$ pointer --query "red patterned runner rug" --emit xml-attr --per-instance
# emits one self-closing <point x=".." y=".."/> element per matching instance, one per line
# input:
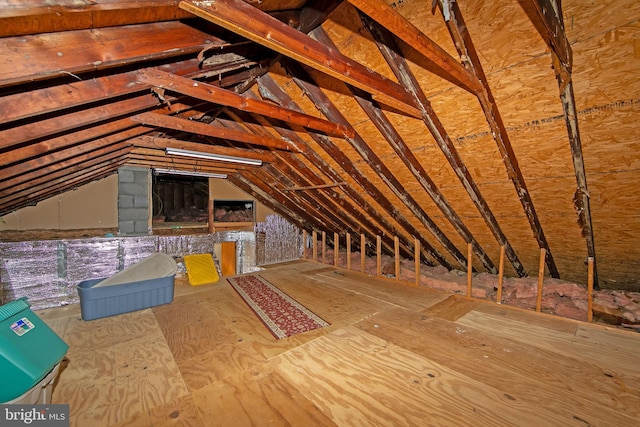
<point x="280" y="313"/>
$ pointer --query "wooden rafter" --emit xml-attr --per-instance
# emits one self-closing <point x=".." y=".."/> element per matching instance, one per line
<point x="315" y="12"/>
<point x="387" y="130"/>
<point x="249" y="22"/>
<point x="444" y="64"/>
<point x="149" y="141"/>
<point x="272" y="90"/>
<point x="72" y="53"/>
<point x="464" y="44"/>
<point x="22" y="19"/>
<point x="401" y="69"/>
<point x="265" y="198"/>
<point x="51" y="99"/>
<point x="264" y="180"/>
<point x="546" y="16"/>
<point x="67" y="123"/>
<point x="290" y="166"/>
<point x="342" y="201"/>
<point x="49" y="160"/>
<point x="324" y="104"/>
<point x="199" y="128"/>
<point x="210" y="93"/>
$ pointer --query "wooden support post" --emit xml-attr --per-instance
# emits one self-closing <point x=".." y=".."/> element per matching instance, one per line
<point x="543" y="253"/>
<point x="469" y="268"/>
<point x="324" y="246"/>
<point x="336" y="248"/>
<point x="211" y="227"/>
<point x="396" y="246"/>
<point x="363" y="245"/>
<point x="378" y="256"/>
<point x="590" y="282"/>
<point x="315" y="245"/>
<point x="416" y="257"/>
<point x="500" y="276"/>
<point x="304" y="244"/>
<point x="348" y="251"/>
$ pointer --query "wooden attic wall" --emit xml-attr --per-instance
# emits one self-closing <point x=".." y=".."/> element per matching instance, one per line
<point x="518" y="65"/>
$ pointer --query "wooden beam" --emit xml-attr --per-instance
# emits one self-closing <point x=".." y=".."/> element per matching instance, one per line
<point x="401" y="69"/>
<point x="352" y="217"/>
<point x="288" y="173"/>
<point x="324" y="104"/>
<point x="49" y="99"/>
<point x="18" y="18"/>
<point x="462" y="39"/>
<point x="210" y="93"/>
<point x="40" y="179"/>
<point x="545" y="16"/>
<point x="199" y="128"/>
<point x="315" y="12"/>
<point x="543" y="253"/>
<point x="253" y="24"/>
<point x="363" y="249"/>
<point x="67" y="123"/>
<point x="348" y="244"/>
<point x="25" y="170"/>
<point x="315" y="187"/>
<point x="445" y="65"/>
<point x="265" y="178"/>
<point x="416" y="260"/>
<point x="163" y="143"/>
<point x="247" y="186"/>
<point x="274" y="91"/>
<point x="58" y="55"/>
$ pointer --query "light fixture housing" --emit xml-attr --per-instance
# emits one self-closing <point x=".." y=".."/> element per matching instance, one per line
<point x="210" y="156"/>
<point x="189" y="173"/>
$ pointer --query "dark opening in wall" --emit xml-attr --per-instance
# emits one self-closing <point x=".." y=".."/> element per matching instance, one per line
<point x="234" y="211"/>
<point x="180" y="199"/>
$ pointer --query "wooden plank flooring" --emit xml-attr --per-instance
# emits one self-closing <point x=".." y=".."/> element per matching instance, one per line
<point x="393" y="355"/>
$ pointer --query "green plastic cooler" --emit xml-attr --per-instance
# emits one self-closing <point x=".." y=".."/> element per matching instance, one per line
<point x="29" y="350"/>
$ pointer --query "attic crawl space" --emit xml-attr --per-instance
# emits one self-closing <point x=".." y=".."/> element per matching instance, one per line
<point x="491" y="124"/>
<point x="465" y="172"/>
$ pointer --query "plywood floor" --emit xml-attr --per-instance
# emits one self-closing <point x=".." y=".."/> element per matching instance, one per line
<point x="394" y="355"/>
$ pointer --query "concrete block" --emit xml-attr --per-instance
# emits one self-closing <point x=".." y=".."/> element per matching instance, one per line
<point x="126" y="227"/>
<point x="125" y="201"/>
<point x="125" y="175"/>
<point x="133" y="214"/>
<point x="141" y="201"/>
<point x="133" y="189"/>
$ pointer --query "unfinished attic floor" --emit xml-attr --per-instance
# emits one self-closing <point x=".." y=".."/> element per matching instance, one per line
<point x="393" y="355"/>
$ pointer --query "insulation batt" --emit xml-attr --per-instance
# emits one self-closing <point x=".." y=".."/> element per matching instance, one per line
<point x="559" y="297"/>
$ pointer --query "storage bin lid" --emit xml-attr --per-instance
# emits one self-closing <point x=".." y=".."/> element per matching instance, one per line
<point x="13" y="308"/>
<point x="153" y="267"/>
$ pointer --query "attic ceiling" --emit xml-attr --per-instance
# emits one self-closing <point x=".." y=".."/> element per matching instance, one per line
<point x="445" y="123"/>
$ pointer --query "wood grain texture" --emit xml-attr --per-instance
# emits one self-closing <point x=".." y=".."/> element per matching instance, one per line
<point x="394" y="354"/>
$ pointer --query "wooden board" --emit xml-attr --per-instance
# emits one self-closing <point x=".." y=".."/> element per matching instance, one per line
<point x="393" y="354"/>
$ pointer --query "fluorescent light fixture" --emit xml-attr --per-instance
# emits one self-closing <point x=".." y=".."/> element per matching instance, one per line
<point x="209" y="156"/>
<point x="189" y="173"/>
